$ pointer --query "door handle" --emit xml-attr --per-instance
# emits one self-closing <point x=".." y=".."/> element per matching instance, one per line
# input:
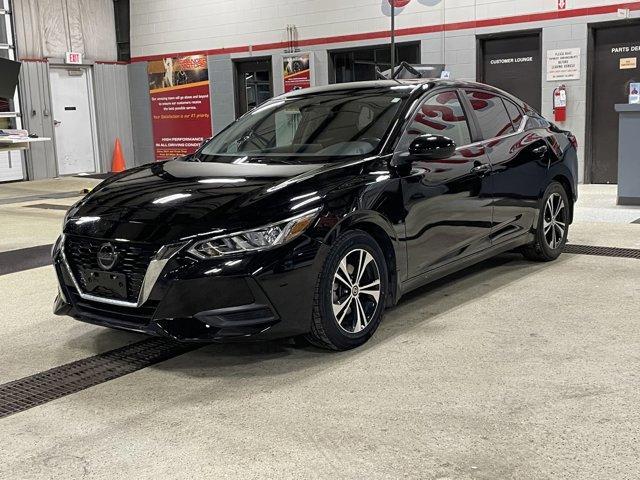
<point x="541" y="151"/>
<point x="56" y="123"/>
<point x="481" y="168"/>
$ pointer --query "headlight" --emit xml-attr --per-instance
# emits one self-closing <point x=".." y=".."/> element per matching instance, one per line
<point x="258" y="239"/>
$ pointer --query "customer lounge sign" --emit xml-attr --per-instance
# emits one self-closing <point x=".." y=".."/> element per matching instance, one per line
<point x="180" y="106"/>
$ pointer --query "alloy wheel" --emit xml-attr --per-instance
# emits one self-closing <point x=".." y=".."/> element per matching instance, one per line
<point x="356" y="290"/>
<point x="554" y="221"/>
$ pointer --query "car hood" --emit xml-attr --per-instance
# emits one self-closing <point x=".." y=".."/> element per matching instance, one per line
<point x="171" y="201"/>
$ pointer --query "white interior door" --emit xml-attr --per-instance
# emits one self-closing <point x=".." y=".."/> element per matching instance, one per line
<point x="73" y="121"/>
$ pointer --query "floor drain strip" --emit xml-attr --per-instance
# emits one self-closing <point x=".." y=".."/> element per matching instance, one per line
<point x="603" y="251"/>
<point x="22" y="394"/>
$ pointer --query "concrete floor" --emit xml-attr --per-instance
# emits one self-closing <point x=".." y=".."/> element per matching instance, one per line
<point x="509" y="370"/>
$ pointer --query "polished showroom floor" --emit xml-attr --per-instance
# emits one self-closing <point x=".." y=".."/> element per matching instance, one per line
<point x="510" y="369"/>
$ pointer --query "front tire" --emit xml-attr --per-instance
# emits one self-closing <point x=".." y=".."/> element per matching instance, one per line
<point x="553" y="226"/>
<point x="350" y="294"/>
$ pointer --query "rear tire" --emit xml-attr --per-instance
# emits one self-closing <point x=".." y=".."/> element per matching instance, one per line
<point x="350" y="294"/>
<point x="553" y="226"/>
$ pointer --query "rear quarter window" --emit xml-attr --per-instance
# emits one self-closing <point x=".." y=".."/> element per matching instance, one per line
<point x="491" y="112"/>
<point x="514" y="113"/>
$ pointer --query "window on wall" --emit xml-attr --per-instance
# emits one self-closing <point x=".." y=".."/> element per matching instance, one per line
<point x="121" y="15"/>
<point x="360" y="64"/>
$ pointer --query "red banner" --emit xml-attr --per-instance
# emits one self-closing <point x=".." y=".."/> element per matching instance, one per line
<point x="180" y="106"/>
<point x="297" y="72"/>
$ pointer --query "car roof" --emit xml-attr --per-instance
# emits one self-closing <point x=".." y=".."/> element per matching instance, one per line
<point x="388" y="84"/>
<point x="382" y="84"/>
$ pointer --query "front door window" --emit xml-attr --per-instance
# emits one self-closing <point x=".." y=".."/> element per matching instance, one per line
<point x="440" y="114"/>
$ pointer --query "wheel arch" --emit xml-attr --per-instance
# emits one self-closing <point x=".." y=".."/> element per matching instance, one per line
<point x="382" y="232"/>
<point x="566" y="184"/>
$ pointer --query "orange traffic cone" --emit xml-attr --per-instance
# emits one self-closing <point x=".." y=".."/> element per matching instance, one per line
<point x="117" y="161"/>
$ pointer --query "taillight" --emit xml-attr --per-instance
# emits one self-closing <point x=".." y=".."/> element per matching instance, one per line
<point x="573" y="140"/>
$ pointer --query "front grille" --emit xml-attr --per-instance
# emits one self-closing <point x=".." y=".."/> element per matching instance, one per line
<point x="133" y="260"/>
<point x="105" y="312"/>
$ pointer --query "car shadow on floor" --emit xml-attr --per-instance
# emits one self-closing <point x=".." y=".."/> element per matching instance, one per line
<point x="231" y="372"/>
<point x="417" y="309"/>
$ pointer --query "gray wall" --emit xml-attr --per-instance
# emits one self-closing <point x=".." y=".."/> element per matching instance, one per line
<point x="140" y="102"/>
<point x="36" y="109"/>
<point x="456" y="49"/>
<point x="113" y="114"/>
<point x="568" y="35"/>
<point x="222" y="91"/>
<point x="49" y="28"/>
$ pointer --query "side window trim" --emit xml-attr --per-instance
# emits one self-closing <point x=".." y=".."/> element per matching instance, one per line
<point x="520" y="127"/>
<point x="427" y="96"/>
<point x="472" y="119"/>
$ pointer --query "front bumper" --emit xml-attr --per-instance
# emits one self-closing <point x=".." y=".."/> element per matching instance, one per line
<point x="261" y="295"/>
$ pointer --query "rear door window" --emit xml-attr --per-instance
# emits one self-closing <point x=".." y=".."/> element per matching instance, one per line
<point x="440" y="114"/>
<point x="491" y="112"/>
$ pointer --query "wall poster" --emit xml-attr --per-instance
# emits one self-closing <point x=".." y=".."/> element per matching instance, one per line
<point x="297" y="72"/>
<point x="180" y="106"/>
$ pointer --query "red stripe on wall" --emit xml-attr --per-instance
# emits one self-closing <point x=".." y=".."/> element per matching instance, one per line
<point x="490" y="22"/>
<point x="112" y="62"/>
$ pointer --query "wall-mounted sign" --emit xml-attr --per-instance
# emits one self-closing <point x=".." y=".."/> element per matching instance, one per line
<point x="73" y="58"/>
<point x="624" y="13"/>
<point x="628" y="63"/>
<point x="502" y="61"/>
<point x="563" y="64"/>
<point x="625" y="49"/>
<point x="180" y="106"/>
<point x="297" y="72"/>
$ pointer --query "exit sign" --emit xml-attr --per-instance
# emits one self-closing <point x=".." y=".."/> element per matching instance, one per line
<point x="74" y="58"/>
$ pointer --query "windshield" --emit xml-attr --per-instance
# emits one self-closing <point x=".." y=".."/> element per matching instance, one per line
<point x="342" y="123"/>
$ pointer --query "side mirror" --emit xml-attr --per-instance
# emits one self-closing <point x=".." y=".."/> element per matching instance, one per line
<point x="432" y="147"/>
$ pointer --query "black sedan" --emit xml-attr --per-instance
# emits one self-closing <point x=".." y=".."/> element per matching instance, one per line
<point x="312" y="213"/>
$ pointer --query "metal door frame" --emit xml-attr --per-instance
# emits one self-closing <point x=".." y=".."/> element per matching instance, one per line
<point x="237" y="63"/>
<point x="88" y="70"/>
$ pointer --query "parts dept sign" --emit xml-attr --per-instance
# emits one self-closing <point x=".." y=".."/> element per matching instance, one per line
<point x="628" y="56"/>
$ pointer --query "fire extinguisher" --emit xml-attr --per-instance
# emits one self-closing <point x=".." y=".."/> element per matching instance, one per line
<point x="560" y="103"/>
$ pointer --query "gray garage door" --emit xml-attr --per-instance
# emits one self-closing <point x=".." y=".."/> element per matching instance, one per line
<point x="514" y="64"/>
<point x="615" y="65"/>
